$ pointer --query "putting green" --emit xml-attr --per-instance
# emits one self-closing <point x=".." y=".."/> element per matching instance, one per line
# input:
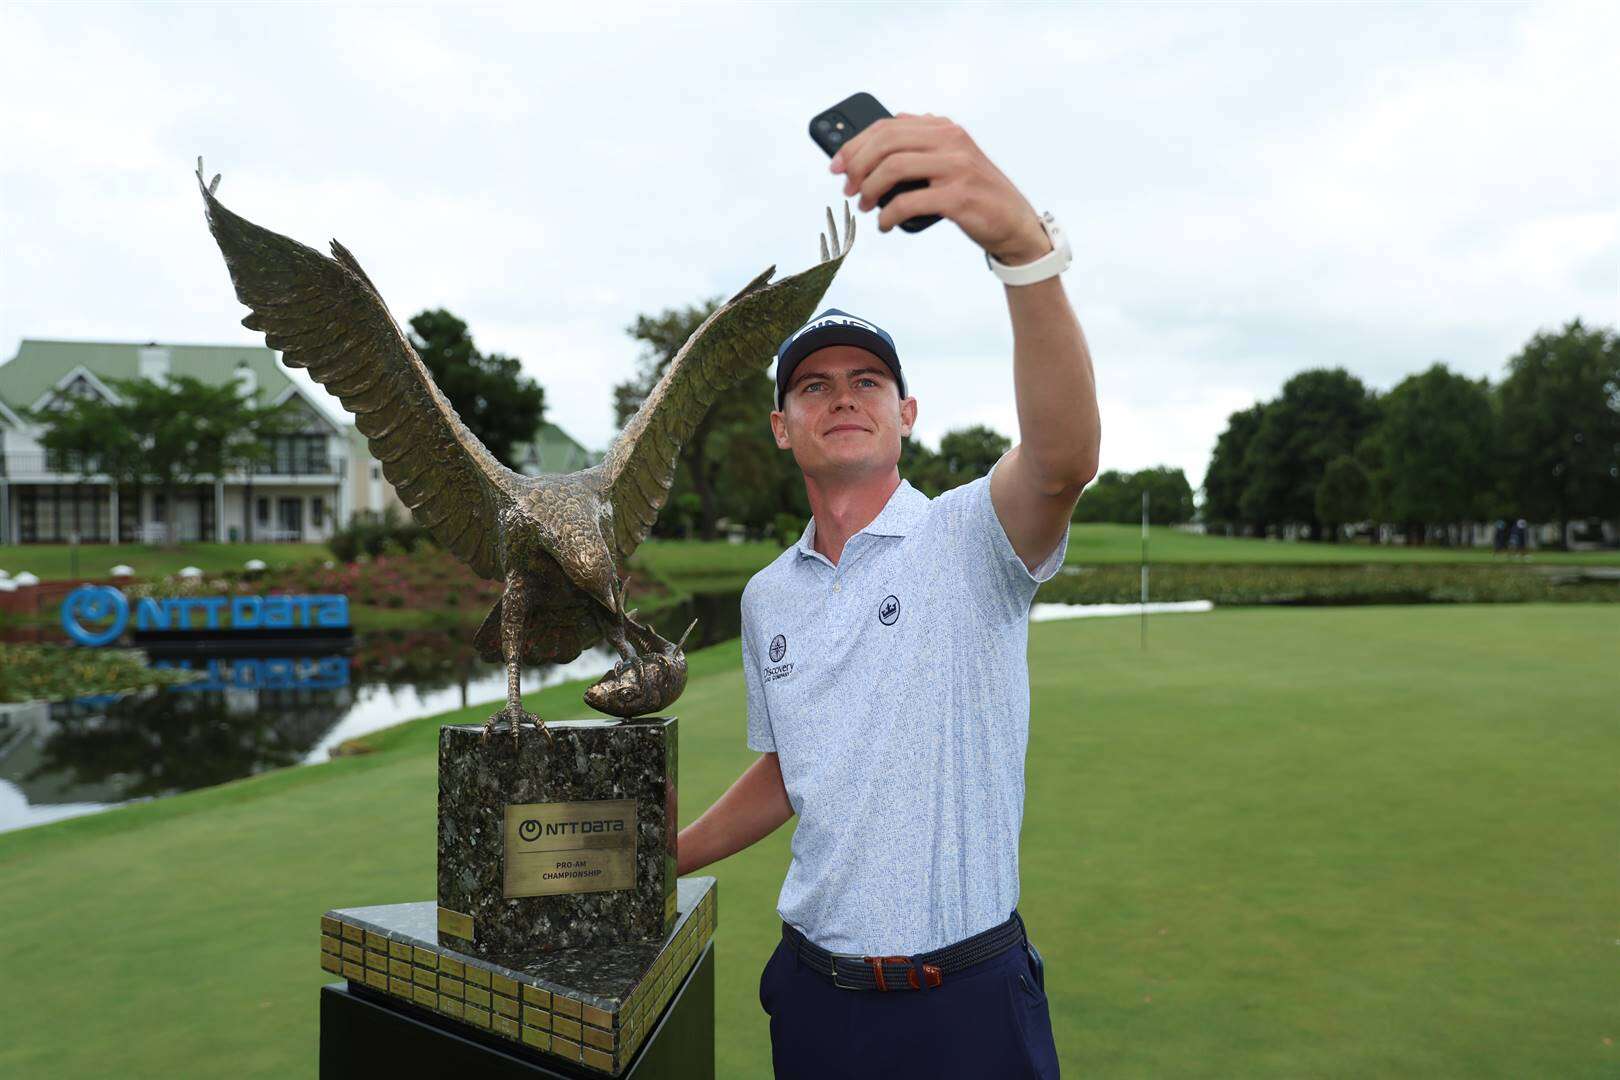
<point x="1365" y="842"/>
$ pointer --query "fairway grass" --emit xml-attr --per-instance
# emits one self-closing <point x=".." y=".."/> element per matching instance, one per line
<point x="1278" y="843"/>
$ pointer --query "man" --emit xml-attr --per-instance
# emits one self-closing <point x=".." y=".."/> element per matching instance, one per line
<point x="888" y="686"/>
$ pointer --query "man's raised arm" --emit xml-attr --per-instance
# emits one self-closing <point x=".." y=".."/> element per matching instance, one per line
<point x="1036" y="484"/>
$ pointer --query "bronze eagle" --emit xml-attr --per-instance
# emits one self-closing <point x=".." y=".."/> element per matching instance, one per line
<point x="560" y="544"/>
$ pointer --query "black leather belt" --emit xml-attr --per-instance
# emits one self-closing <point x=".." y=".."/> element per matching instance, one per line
<point x="923" y="971"/>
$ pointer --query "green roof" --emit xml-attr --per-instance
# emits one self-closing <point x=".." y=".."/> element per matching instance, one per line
<point x="39" y="365"/>
<point x="552" y="450"/>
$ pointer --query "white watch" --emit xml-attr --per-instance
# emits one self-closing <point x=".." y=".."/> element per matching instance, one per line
<point x="1051" y="264"/>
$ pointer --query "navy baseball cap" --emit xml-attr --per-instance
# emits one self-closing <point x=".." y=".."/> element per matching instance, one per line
<point x="834" y="327"/>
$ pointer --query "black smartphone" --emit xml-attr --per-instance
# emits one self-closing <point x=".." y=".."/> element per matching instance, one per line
<point x="834" y="127"/>
<point x="1038" y="964"/>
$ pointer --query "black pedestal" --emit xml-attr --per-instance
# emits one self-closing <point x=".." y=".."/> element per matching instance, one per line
<point x="365" y="1033"/>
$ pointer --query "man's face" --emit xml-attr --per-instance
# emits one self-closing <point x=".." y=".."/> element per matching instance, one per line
<point x="842" y="414"/>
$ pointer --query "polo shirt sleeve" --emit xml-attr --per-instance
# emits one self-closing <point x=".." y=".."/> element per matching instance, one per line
<point x="994" y="573"/>
<point x="760" y="736"/>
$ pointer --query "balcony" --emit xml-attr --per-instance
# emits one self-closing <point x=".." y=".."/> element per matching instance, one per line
<point x="44" y="465"/>
<point x="47" y="467"/>
<point x="296" y="467"/>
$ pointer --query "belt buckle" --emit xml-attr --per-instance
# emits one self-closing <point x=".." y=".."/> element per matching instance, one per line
<point x="843" y="985"/>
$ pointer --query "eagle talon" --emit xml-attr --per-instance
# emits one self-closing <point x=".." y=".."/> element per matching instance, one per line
<point x="515" y="719"/>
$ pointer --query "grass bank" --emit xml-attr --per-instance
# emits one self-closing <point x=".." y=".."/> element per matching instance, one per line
<point x="1106" y="545"/>
<point x="1279" y="843"/>
<point x="1329" y="583"/>
<point x="1091" y="544"/>
<point x="50" y="562"/>
<point x="695" y="565"/>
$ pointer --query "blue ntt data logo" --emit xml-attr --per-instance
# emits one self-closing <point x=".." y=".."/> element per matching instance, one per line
<point x="90" y="605"/>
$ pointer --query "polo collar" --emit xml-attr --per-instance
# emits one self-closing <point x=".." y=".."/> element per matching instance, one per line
<point x="906" y="507"/>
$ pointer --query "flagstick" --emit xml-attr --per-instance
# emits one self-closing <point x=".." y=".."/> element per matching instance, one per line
<point x="1144" y="567"/>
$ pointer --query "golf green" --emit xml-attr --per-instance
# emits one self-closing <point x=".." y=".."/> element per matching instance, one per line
<point x="1277" y="843"/>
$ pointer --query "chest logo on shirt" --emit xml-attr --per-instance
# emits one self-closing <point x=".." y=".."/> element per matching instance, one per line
<point x="776" y="669"/>
<point x="889" y="610"/>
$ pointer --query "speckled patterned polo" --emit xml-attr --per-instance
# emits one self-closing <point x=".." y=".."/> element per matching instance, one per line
<point x="894" y="689"/>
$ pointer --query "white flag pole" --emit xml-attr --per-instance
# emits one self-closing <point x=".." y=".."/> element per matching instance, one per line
<point x="1144" y="566"/>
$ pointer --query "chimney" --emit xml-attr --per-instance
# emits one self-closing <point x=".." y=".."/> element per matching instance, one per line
<point x="154" y="363"/>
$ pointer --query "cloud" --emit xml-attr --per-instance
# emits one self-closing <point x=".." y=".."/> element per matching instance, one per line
<point x="1250" y="190"/>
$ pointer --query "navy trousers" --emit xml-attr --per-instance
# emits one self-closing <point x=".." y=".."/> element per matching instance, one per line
<point x="986" y="1022"/>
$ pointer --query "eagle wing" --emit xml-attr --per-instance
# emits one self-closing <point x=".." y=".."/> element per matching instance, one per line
<point x="325" y="315"/>
<point x="739" y="338"/>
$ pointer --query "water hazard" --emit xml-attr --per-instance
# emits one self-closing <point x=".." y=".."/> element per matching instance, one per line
<point x="253" y="713"/>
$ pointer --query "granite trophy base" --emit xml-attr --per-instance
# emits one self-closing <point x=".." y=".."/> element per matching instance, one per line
<point x="587" y="1011"/>
<point x="559" y="843"/>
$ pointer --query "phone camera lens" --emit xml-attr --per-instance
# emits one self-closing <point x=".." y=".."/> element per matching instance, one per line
<point x="835" y="136"/>
<point x="824" y="124"/>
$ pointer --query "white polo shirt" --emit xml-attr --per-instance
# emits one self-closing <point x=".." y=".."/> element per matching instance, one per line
<point x="894" y="689"/>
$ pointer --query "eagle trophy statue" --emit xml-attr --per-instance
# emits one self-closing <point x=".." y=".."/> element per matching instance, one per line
<point x="560" y="544"/>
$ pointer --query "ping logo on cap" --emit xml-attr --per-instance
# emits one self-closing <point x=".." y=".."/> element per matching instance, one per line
<point x="833" y="320"/>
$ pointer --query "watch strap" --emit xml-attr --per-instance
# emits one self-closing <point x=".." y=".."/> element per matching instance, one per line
<point x="1051" y="264"/>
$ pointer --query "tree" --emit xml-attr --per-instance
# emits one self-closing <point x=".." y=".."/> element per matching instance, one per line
<point x="1561" y="425"/>
<point x="1434" y="443"/>
<point x="1226" y="477"/>
<point x="964" y="454"/>
<point x="166" y="435"/>
<point x="1117" y="497"/>
<point x="1345" y="494"/>
<point x="1321" y="415"/>
<point x="497" y="403"/>
<point x="920" y="466"/>
<point x="731" y="466"/>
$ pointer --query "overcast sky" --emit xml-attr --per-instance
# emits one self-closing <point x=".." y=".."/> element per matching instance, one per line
<point x="1250" y="190"/>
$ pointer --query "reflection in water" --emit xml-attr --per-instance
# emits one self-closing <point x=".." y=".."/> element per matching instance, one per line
<point x="159" y="742"/>
<point x="261" y="673"/>
<point x="718" y="615"/>
<point x="383" y="705"/>
<point x="249" y="714"/>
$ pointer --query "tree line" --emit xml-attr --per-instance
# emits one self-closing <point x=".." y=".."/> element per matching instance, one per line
<point x="1435" y="454"/>
<point x="183" y="432"/>
<point x="731" y="470"/>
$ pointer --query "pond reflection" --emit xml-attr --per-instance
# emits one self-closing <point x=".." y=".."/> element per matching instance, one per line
<point x="253" y="713"/>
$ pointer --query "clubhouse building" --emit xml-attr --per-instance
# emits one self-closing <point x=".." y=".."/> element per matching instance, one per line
<point x="318" y="477"/>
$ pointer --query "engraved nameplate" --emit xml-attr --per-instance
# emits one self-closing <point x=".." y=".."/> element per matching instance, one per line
<point x="570" y="847"/>
<point x="455" y="924"/>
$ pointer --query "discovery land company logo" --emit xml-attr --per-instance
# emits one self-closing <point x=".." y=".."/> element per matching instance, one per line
<point x="87" y="610"/>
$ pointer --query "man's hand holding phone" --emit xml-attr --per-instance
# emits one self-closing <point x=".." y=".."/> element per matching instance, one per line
<point x="963" y="184"/>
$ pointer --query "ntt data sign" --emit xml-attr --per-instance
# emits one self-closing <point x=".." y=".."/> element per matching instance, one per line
<point x="87" y="610"/>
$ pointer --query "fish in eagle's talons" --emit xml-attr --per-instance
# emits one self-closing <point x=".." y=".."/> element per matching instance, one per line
<point x="559" y="543"/>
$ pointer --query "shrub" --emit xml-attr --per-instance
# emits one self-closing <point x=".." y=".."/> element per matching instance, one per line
<point x="368" y="535"/>
<point x="787" y="528"/>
